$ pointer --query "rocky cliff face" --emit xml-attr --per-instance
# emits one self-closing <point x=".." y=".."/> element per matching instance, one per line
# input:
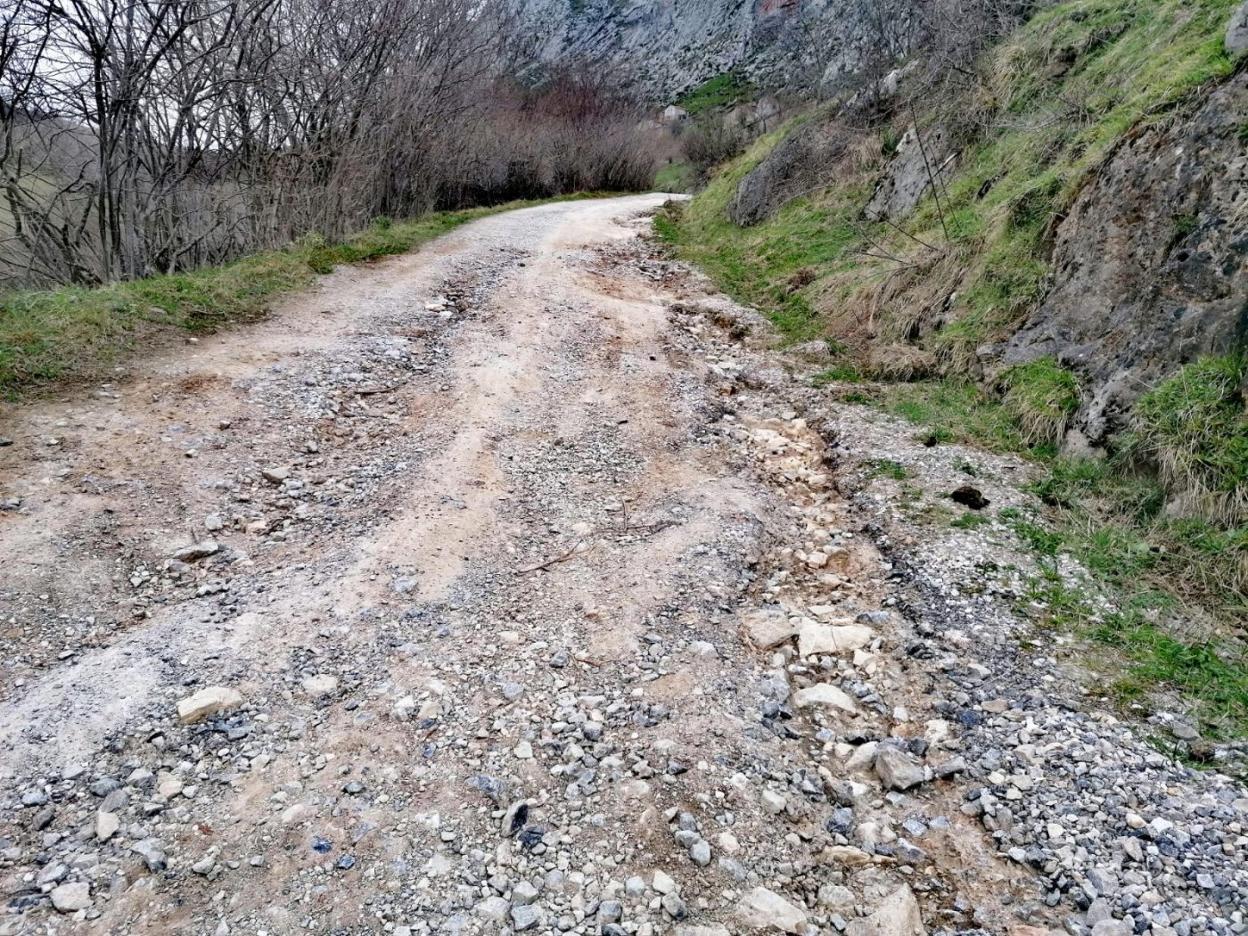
<point x="1144" y="272"/>
<point x="664" y="47"/>
<point x="1150" y="268"/>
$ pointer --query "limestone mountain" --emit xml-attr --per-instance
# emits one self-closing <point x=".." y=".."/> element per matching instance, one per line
<point x="664" y="47"/>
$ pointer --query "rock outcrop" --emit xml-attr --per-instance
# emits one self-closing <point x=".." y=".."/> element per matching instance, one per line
<point x="664" y="47"/>
<point x="922" y="158"/>
<point x="1150" y="267"/>
<point x="799" y="163"/>
<point x="1237" y="31"/>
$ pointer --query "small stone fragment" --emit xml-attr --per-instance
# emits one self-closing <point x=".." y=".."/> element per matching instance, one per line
<point x="700" y="852"/>
<point x="525" y="917"/>
<point x="69" y="898"/>
<point x="897" y="769"/>
<point x="816" y="637"/>
<point x="196" y="551"/>
<point x="765" y="909"/>
<point x="897" y="915"/>
<point x="825" y="695"/>
<point x="322" y="684"/>
<point x="208" y="702"/>
<point x="151" y="853"/>
<point x="769" y="628"/>
<point x="106" y="825"/>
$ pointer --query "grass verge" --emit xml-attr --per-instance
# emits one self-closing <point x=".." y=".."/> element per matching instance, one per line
<point x="675" y="177"/>
<point x="773" y="265"/>
<point x="1194" y="427"/>
<point x="1137" y="647"/>
<point x="1162" y="595"/>
<point x="68" y="334"/>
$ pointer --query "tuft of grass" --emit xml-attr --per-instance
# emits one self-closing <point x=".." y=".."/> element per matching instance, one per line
<point x="1041" y="396"/>
<point x="74" y="333"/>
<point x="955" y="411"/>
<point x="1039" y="537"/>
<point x="838" y="373"/>
<point x="1141" y="657"/>
<point x="1211" y="673"/>
<point x="1194" y="427"/>
<point x="1207" y="564"/>
<point x="887" y="468"/>
<point x="970" y="521"/>
<point x="1149" y="566"/>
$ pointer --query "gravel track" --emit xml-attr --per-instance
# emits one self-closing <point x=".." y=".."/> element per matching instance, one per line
<point x="518" y="586"/>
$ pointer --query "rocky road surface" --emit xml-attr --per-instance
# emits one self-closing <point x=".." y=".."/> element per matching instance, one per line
<point x="517" y="586"/>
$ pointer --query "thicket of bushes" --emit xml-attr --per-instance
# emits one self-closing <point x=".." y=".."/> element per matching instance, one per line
<point x="153" y="138"/>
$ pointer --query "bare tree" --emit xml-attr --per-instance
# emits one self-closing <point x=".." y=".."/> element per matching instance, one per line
<point x="146" y="136"/>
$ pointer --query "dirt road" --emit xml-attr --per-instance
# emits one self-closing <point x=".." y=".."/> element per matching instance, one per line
<point x="514" y="595"/>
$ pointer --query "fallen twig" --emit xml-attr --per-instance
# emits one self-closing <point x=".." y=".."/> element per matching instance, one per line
<point x="371" y="391"/>
<point x="550" y="562"/>
<point x="645" y="529"/>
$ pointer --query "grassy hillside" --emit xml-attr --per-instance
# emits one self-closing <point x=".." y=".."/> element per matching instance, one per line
<point x="722" y="90"/>
<point x="1030" y="136"/>
<point x="1045" y="109"/>
<point x="770" y="265"/>
<point x="75" y="333"/>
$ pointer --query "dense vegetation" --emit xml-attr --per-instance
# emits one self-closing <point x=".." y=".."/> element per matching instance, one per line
<point x="160" y="137"/>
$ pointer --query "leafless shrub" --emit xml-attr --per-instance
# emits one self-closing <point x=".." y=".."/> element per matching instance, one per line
<point x="710" y="139"/>
<point x="145" y="136"/>
<point x="573" y="133"/>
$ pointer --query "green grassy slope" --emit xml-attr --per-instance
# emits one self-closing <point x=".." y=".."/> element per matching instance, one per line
<point x="1046" y="108"/>
<point x="1029" y="136"/>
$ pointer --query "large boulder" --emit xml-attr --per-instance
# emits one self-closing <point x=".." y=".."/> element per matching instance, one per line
<point x="803" y="160"/>
<point x="1150" y="266"/>
<point x="922" y="158"/>
<point x="1237" y="31"/>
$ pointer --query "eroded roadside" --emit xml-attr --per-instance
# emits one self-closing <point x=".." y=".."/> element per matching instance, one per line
<point x="554" y="604"/>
